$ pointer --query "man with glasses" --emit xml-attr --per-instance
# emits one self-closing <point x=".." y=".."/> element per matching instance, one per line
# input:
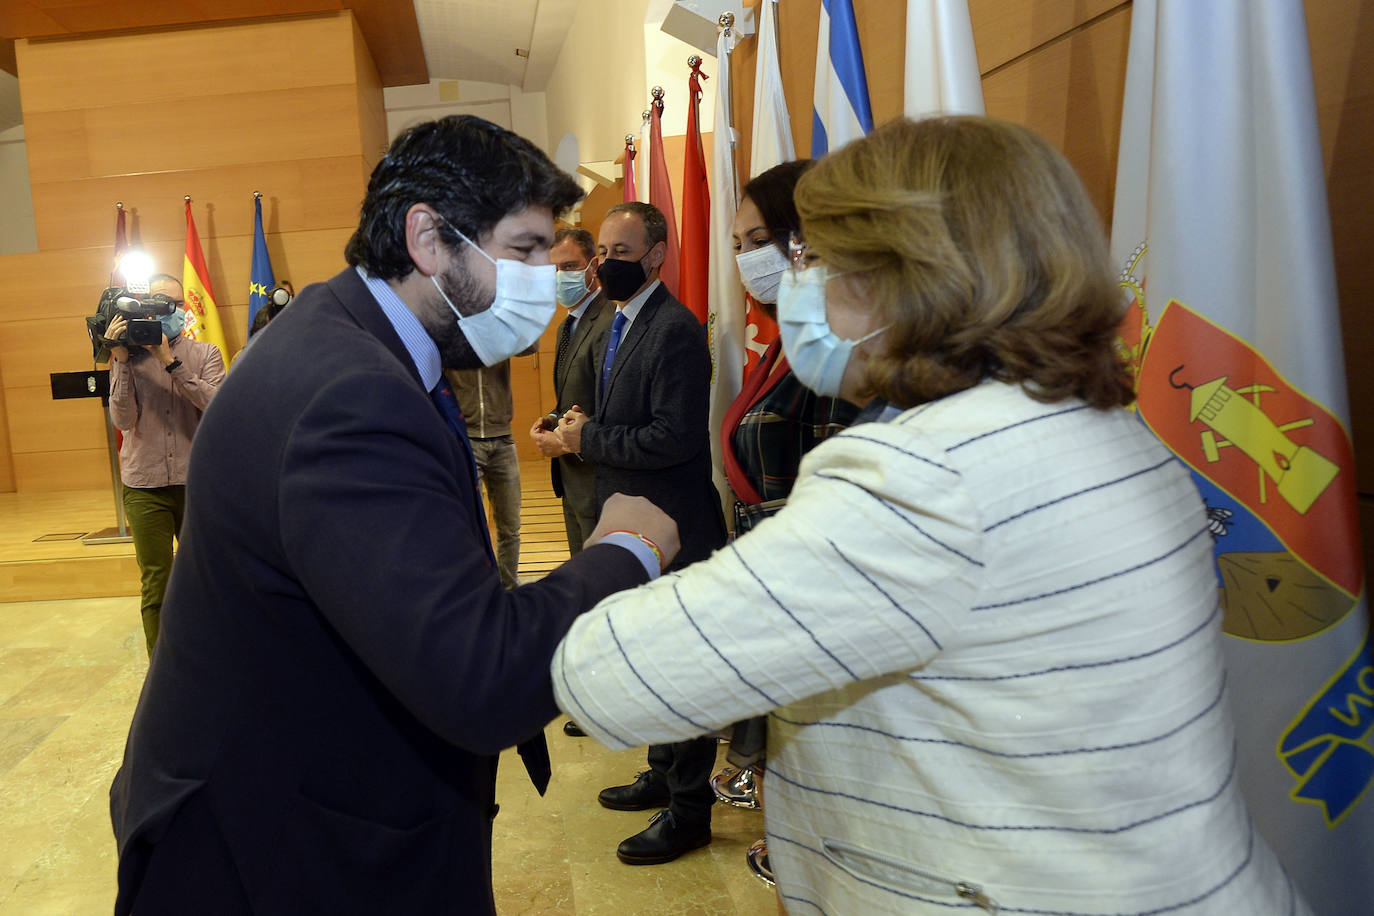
<point x="157" y="395"/>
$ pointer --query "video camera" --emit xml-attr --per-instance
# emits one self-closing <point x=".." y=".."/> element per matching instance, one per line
<point x="143" y="312"/>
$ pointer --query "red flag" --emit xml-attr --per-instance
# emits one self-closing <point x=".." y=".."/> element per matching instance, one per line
<point x="695" y="279"/>
<point x="121" y="245"/>
<point x="661" y="191"/>
<point x="631" y="193"/>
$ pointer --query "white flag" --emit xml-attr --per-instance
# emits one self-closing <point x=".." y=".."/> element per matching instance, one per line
<point x="941" y="64"/>
<point x="771" y="143"/>
<point x="725" y="321"/>
<point x="1221" y="231"/>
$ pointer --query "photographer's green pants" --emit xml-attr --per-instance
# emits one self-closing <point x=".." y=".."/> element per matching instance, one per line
<point x="154" y="517"/>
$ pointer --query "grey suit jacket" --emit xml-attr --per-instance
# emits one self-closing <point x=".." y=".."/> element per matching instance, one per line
<point x="650" y="433"/>
<point x="574" y="382"/>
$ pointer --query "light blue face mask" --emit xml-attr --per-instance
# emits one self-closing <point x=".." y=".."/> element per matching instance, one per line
<point x="570" y="286"/>
<point x="818" y="356"/>
<point x="519" y="313"/>
<point x="173" y="324"/>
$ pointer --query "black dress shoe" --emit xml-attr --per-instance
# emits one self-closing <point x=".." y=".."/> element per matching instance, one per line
<point x="663" y="841"/>
<point x="573" y="730"/>
<point x="647" y="791"/>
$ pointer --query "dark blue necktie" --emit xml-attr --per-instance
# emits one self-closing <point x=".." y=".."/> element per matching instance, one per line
<point x="617" y="328"/>
<point x="453" y="414"/>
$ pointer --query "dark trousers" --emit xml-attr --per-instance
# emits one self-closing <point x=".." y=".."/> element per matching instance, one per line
<point x="154" y="516"/>
<point x="686" y="768"/>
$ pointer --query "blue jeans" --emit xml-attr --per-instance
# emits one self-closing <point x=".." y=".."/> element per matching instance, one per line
<point x="498" y="469"/>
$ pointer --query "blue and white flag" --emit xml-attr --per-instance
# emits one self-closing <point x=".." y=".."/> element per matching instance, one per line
<point x="841" y="112"/>
<point x="260" y="276"/>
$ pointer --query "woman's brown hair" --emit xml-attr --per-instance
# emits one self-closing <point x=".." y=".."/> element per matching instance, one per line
<point x="975" y="241"/>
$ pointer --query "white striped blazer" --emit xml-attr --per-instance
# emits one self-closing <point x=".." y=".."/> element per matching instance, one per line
<point x="987" y="636"/>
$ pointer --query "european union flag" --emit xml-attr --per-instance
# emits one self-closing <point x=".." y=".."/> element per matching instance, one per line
<point x="260" y="278"/>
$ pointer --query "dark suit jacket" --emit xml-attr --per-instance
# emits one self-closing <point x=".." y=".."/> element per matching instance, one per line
<point x="338" y="663"/>
<point x="650" y="433"/>
<point x="574" y="382"/>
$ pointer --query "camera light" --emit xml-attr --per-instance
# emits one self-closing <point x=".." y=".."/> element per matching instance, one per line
<point x="136" y="267"/>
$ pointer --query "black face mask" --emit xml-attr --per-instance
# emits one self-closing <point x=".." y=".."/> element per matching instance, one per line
<point x="620" y="279"/>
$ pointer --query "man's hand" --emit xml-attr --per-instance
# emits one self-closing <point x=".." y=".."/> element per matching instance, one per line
<point x="638" y="515"/>
<point x="570" y="428"/>
<point x="545" y="437"/>
<point x="163" y="352"/>
<point x="116" y="327"/>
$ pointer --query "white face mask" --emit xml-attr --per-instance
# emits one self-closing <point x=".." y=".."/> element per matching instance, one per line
<point x="761" y="271"/>
<point x="522" y="309"/>
<point x="818" y="356"/>
<point x="571" y="286"/>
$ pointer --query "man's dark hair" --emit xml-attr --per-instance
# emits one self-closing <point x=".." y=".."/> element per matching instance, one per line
<point x="471" y="171"/>
<point x="581" y="237"/>
<point x="655" y="223"/>
<point x="771" y="192"/>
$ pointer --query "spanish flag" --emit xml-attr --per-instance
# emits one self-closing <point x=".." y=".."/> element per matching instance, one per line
<point x="202" y="317"/>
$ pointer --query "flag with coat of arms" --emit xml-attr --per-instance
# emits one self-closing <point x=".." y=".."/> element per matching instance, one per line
<point x="202" y="315"/>
<point x="1221" y="232"/>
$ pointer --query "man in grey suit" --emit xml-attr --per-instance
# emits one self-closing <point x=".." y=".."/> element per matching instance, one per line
<point x="581" y="341"/>
<point x="648" y="436"/>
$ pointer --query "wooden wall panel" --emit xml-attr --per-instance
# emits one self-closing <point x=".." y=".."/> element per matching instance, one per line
<point x="6" y="459"/>
<point x="53" y="284"/>
<point x="1070" y="92"/>
<point x="305" y="131"/>
<point x="39" y="424"/>
<point x="34" y="349"/>
<point x="1341" y="36"/>
<point x="1003" y="30"/>
<point x="226" y="130"/>
<point x="71" y="469"/>
<point x="186" y="65"/>
<point x="373" y="136"/>
<point x="305" y="192"/>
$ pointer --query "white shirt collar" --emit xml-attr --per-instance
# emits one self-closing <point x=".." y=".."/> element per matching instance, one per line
<point x="632" y="308"/>
<point x="577" y="311"/>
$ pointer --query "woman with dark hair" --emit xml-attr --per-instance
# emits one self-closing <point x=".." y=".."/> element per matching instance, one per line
<point x="996" y="604"/>
<point x="771" y="424"/>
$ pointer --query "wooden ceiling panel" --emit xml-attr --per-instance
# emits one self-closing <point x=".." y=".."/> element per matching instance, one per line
<point x="389" y="26"/>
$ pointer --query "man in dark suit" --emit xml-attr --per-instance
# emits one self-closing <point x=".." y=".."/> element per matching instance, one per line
<point x="647" y="434"/>
<point x="339" y="665"/>
<point x="581" y="342"/>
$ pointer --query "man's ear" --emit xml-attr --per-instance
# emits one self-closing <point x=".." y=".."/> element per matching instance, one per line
<point x="658" y="254"/>
<point x="422" y="238"/>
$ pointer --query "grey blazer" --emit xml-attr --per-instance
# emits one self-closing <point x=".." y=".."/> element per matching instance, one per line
<point x="574" y="382"/>
<point x="650" y="433"/>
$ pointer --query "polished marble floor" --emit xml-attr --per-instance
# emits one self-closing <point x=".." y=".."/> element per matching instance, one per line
<point x="70" y="672"/>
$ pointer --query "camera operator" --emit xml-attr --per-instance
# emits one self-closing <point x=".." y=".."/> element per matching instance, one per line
<point x="157" y="394"/>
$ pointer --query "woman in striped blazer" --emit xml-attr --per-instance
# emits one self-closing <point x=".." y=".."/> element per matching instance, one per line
<point x="996" y="605"/>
